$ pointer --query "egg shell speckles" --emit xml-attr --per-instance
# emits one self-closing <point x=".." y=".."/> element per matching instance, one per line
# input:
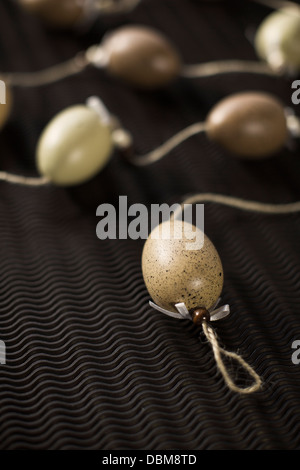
<point x="173" y="273"/>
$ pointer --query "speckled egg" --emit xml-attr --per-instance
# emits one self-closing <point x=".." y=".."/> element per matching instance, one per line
<point x="277" y="40"/>
<point x="177" y="269"/>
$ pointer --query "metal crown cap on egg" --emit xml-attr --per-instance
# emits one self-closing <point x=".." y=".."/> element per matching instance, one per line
<point x="175" y="274"/>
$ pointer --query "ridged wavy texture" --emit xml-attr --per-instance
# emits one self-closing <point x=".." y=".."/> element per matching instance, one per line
<point x="89" y="364"/>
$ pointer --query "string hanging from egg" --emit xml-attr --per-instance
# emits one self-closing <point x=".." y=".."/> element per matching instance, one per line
<point x="186" y="284"/>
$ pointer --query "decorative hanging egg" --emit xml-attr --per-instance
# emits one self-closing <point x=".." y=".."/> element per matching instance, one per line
<point x="140" y="56"/>
<point x="186" y="283"/>
<point x="74" y="146"/>
<point x="251" y="125"/>
<point x="175" y="271"/>
<point x="5" y="108"/>
<point x="58" y="13"/>
<point x="278" y="40"/>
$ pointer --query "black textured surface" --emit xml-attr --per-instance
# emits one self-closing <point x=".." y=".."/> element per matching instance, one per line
<point x="89" y="364"/>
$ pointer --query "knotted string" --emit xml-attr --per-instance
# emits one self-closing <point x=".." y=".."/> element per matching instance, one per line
<point x="219" y="351"/>
<point x="215" y="314"/>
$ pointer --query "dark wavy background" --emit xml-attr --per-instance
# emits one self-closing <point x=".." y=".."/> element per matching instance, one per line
<point x="89" y="364"/>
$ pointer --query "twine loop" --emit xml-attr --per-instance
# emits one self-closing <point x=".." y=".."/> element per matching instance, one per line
<point x="217" y="313"/>
<point x="219" y="351"/>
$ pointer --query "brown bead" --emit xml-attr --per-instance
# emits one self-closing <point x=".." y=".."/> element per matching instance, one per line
<point x="251" y="125"/>
<point x="199" y="315"/>
<point x="58" y="13"/>
<point x="141" y="56"/>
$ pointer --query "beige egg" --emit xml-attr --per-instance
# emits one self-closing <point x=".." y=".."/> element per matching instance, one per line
<point x="277" y="40"/>
<point x="74" y="146"/>
<point x="250" y="125"/>
<point x="5" y="108"/>
<point x="57" y="13"/>
<point x="177" y="269"/>
<point x="141" y="56"/>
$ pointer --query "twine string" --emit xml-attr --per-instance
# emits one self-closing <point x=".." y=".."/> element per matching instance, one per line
<point x="23" y="180"/>
<point x="83" y="59"/>
<point x="219" y="351"/>
<point x="239" y="203"/>
<point x="94" y="55"/>
<point x="146" y="159"/>
<point x="230" y="201"/>
<point x="170" y="144"/>
<point x="210" y="69"/>
<point x="49" y="75"/>
<point x="78" y="63"/>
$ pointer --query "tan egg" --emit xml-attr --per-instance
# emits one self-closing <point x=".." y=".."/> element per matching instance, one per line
<point x="5" y="108"/>
<point x="141" y="56"/>
<point x="251" y="125"/>
<point x="74" y="146"/>
<point x="59" y="13"/>
<point x="177" y="269"/>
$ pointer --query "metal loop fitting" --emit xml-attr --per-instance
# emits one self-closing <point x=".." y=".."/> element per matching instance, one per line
<point x="216" y="313"/>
